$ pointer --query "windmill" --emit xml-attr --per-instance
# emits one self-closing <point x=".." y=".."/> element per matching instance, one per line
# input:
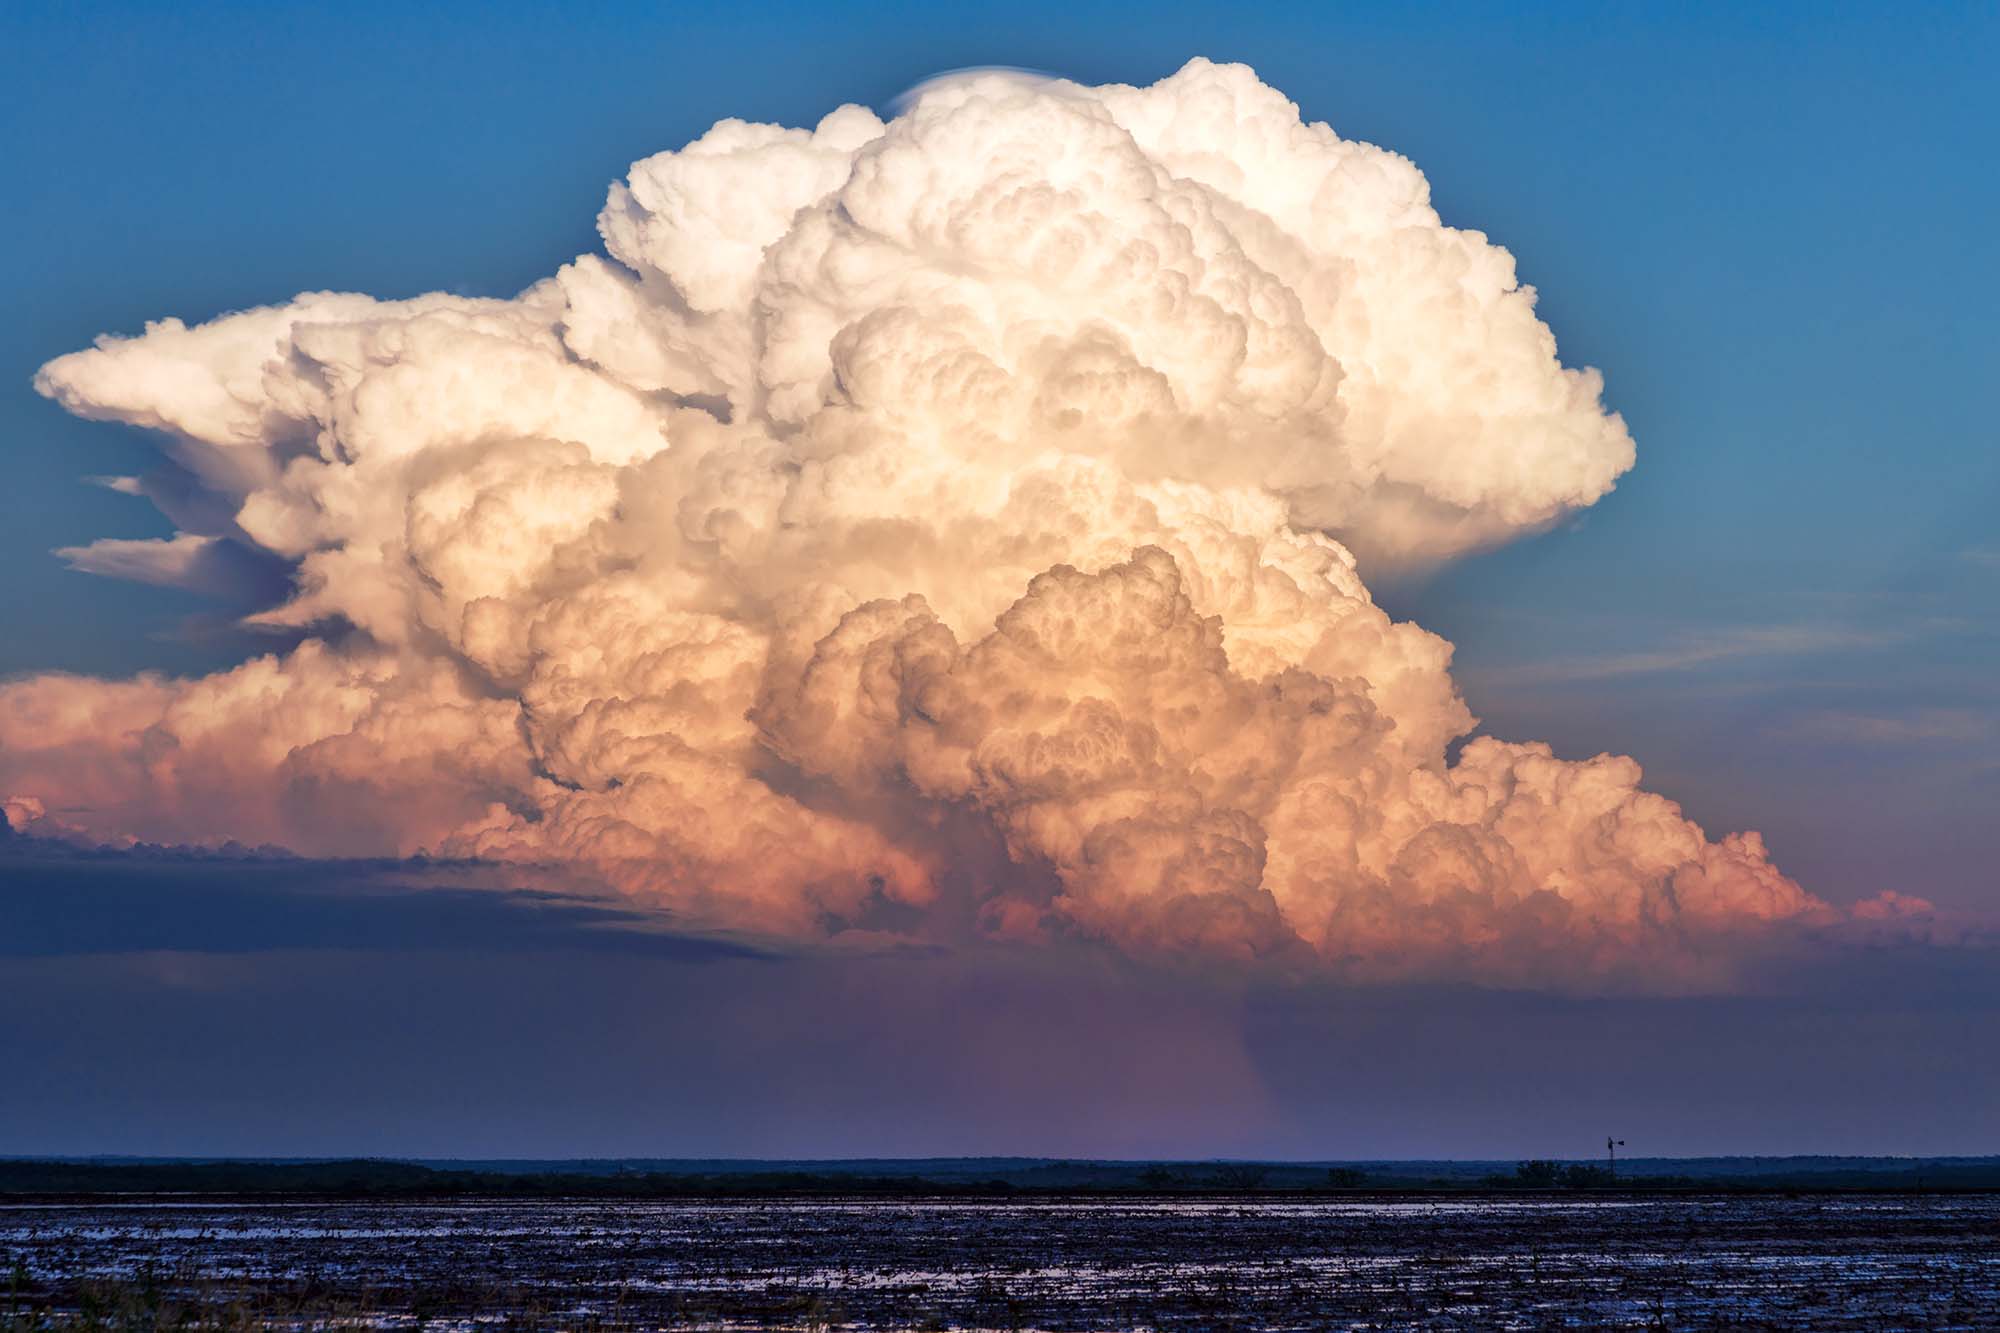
<point x="1611" y="1147"/>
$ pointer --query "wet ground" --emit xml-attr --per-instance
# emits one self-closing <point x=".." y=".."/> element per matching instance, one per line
<point x="1826" y="1262"/>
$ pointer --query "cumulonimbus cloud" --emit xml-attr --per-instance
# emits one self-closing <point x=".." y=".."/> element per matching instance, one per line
<point x="1003" y="465"/>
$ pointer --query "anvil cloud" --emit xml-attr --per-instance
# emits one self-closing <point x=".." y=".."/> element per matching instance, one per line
<point x="940" y="527"/>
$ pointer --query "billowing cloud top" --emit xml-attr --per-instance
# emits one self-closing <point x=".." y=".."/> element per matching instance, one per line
<point x="940" y="525"/>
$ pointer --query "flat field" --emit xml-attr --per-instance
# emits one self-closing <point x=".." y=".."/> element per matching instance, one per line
<point x="1810" y="1261"/>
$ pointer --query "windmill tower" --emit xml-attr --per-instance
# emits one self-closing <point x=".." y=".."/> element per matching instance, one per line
<point x="1611" y="1147"/>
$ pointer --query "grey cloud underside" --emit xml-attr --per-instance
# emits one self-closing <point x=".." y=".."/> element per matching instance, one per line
<point x="64" y="901"/>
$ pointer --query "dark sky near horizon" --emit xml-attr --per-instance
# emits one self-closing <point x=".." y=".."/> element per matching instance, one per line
<point x="1771" y="230"/>
<point x="160" y="1003"/>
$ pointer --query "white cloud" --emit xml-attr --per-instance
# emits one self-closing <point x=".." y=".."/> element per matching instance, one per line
<point x="967" y="500"/>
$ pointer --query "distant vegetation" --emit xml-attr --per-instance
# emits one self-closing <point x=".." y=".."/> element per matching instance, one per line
<point x="1539" y="1175"/>
<point x="972" y="1176"/>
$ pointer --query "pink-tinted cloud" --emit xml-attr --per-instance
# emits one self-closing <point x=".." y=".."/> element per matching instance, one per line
<point x="911" y="524"/>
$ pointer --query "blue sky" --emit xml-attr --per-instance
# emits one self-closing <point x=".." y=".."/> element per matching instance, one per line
<point x="1770" y="226"/>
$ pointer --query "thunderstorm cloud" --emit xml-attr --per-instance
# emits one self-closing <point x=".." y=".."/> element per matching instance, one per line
<point x="946" y="527"/>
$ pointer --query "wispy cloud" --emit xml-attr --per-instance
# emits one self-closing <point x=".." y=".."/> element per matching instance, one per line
<point x="1920" y="727"/>
<point x="169" y="562"/>
<point x="1691" y="652"/>
<point x="216" y="566"/>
